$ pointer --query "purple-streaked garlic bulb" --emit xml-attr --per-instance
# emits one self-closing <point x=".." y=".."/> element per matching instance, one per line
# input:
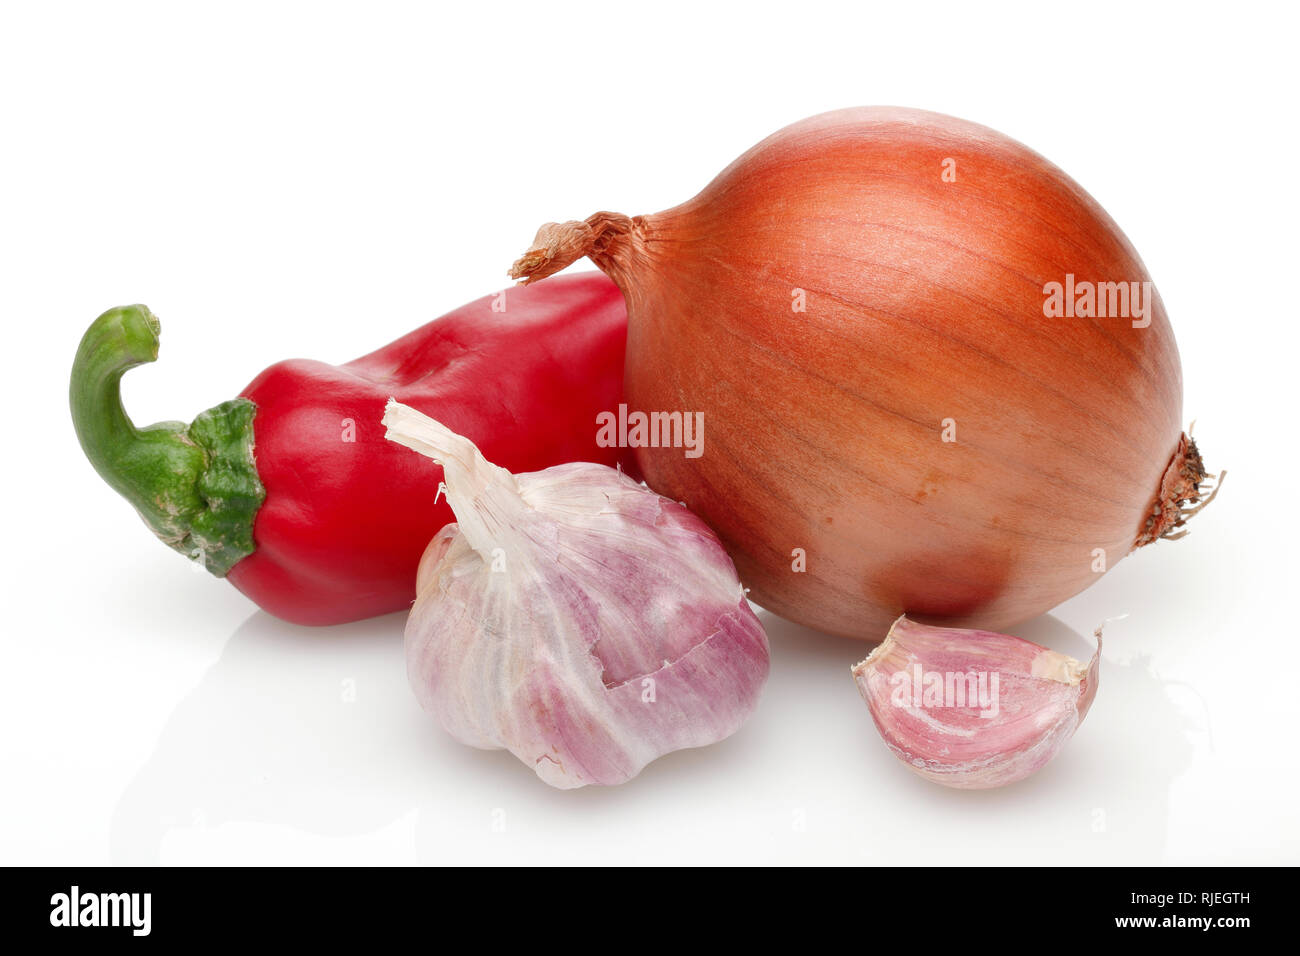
<point x="974" y="709"/>
<point x="574" y="617"/>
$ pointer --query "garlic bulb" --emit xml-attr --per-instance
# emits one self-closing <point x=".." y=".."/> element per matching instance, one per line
<point x="574" y="617"/>
<point x="973" y="709"/>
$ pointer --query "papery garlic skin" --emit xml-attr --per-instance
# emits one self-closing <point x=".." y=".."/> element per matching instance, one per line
<point x="575" y="618"/>
<point x="1028" y="702"/>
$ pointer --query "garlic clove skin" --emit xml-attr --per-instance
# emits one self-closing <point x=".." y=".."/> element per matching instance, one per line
<point x="578" y="619"/>
<point x="973" y="709"/>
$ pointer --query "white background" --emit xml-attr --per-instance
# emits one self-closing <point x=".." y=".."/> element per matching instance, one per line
<point x="315" y="179"/>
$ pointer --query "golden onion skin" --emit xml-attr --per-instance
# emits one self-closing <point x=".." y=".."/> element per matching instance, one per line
<point x="922" y="320"/>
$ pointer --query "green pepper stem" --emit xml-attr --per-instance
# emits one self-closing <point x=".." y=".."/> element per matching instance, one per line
<point x="196" y="486"/>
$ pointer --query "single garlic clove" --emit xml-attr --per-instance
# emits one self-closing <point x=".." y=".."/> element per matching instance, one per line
<point x="973" y="709"/>
<point x="574" y="617"/>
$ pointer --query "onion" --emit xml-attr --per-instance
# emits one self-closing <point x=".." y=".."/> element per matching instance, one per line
<point x="881" y="315"/>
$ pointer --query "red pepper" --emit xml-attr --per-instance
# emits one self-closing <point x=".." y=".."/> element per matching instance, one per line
<point x="291" y="490"/>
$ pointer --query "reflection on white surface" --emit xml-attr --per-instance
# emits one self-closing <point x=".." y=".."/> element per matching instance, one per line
<point x="305" y="745"/>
